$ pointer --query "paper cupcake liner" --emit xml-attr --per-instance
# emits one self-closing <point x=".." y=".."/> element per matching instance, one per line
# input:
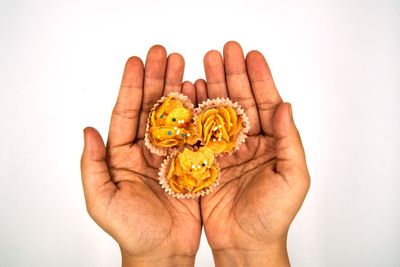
<point x="163" y="151"/>
<point x="226" y="102"/>
<point x="162" y="177"/>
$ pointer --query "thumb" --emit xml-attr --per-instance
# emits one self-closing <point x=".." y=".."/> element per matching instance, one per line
<point x="291" y="161"/>
<point x="96" y="180"/>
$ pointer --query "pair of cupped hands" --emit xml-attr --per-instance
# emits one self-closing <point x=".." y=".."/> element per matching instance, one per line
<point x="262" y="186"/>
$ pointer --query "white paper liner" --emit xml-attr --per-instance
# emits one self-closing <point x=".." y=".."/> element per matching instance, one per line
<point x="226" y="102"/>
<point x="162" y="177"/>
<point x="163" y="151"/>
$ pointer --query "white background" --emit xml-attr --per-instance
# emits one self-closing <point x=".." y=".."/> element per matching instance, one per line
<point x="338" y="63"/>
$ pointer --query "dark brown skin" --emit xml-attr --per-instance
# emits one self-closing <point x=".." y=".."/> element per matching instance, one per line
<point x="263" y="185"/>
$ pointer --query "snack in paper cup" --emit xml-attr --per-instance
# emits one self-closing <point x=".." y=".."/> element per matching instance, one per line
<point x="190" y="173"/>
<point x="221" y="125"/>
<point x="170" y="125"/>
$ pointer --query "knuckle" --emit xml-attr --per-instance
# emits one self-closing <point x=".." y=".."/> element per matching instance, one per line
<point x="268" y="105"/>
<point x="245" y="101"/>
<point x="126" y="113"/>
<point x="146" y="107"/>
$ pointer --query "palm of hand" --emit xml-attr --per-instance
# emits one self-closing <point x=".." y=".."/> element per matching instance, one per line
<point x="141" y="210"/>
<point x="120" y="182"/>
<point x="252" y="201"/>
<point x="256" y="199"/>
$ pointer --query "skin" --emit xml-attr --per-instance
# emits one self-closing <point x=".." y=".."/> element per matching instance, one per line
<point x="263" y="185"/>
<point x="247" y="217"/>
<point x="120" y="180"/>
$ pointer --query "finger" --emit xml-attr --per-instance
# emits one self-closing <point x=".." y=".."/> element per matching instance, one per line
<point x="154" y="74"/>
<point x="201" y="90"/>
<point x="174" y="73"/>
<point x="215" y="74"/>
<point x="239" y="89"/>
<point x="290" y="157"/>
<point x="97" y="184"/>
<point x="125" y="115"/>
<point x="264" y="90"/>
<point x="189" y="90"/>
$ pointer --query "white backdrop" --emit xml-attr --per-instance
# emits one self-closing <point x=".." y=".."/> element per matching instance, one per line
<point x="338" y="62"/>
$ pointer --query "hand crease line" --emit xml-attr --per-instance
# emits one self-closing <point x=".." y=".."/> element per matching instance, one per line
<point x="216" y="83"/>
<point x="237" y="73"/>
<point x="129" y="114"/>
<point x="226" y="192"/>
<point x="131" y="87"/>
<point x="140" y="175"/>
<point x="148" y="77"/>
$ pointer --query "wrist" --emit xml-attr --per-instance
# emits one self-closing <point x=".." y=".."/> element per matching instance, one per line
<point x="271" y="255"/>
<point x="162" y="259"/>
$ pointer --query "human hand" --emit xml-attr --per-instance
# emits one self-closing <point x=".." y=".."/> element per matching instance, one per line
<point x="120" y="181"/>
<point x="263" y="185"/>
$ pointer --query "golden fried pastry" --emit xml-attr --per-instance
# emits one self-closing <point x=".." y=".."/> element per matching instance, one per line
<point x="192" y="171"/>
<point x="171" y="124"/>
<point x="218" y="128"/>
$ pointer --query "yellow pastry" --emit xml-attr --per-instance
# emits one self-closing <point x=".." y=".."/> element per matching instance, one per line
<point x="218" y="128"/>
<point x="192" y="171"/>
<point x="171" y="124"/>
